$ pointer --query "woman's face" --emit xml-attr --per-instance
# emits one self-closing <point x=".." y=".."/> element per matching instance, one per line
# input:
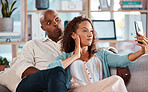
<point x="85" y="32"/>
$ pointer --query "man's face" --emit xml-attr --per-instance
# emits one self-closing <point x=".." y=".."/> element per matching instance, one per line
<point x="52" y="24"/>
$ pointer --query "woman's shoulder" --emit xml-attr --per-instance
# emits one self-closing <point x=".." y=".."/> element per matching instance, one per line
<point x="100" y="50"/>
<point x="103" y="50"/>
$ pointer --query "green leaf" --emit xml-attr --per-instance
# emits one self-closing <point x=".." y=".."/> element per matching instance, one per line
<point x="1" y="61"/>
<point x="2" y="2"/>
<point x="5" y="11"/>
<point x="7" y="5"/>
<point x="12" y="6"/>
<point x="5" y="62"/>
<point x="11" y="12"/>
<point x="2" y="10"/>
<point x="2" y="7"/>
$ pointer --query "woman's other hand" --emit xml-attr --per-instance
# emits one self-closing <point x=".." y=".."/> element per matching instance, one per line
<point x="143" y="44"/>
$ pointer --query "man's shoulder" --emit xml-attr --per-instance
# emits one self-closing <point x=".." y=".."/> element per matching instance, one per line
<point x="33" y="41"/>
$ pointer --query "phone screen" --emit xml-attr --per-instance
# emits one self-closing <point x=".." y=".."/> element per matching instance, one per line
<point x="139" y="27"/>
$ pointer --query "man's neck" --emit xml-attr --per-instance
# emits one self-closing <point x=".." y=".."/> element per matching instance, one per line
<point x="55" y="39"/>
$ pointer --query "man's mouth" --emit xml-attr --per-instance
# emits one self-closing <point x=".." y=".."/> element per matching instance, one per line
<point x="58" y="31"/>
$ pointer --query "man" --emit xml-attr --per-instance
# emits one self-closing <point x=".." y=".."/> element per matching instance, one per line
<point x="37" y="54"/>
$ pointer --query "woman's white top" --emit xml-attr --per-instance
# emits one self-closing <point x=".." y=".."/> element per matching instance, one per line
<point x="83" y="72"/>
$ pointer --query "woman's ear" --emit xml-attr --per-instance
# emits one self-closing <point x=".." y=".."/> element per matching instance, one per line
<point x="73" y="35"/>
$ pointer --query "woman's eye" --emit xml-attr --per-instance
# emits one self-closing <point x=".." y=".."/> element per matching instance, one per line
<point x="84" y="30"/>
<point x="49" y="23"/>
<point x="92" y="31"/>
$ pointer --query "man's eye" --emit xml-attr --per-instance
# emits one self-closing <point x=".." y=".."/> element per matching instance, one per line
<point x="49" y="23"/>
<point x="57" y="19"/>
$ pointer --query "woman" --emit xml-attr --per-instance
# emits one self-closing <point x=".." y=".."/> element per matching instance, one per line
<point x="87" y="69"/>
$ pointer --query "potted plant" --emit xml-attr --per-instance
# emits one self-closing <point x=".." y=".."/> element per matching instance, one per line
<point x="3" y="63"/>
<point x="6" y="23"/>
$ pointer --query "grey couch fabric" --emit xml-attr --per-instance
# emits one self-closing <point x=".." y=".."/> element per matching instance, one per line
<point x="4" y="89"/>
<point x="139" y="75"/>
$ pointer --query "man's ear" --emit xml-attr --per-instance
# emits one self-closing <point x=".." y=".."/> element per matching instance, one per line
<point x="43" y="28"/>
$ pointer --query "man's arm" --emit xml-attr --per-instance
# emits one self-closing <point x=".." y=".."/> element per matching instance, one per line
<point x="25" y="61"/>
<point x="29" y="71"/>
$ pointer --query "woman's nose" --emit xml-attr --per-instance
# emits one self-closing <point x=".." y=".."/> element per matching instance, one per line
<point x="90" y="34"/>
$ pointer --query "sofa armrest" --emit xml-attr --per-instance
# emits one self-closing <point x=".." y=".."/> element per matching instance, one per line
<point x="124" y="73"/>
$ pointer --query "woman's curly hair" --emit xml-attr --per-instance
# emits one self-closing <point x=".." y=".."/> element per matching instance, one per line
<point x="68" y="43"/>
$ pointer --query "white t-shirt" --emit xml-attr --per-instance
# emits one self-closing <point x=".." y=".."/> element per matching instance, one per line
<point x="36" y="53"/>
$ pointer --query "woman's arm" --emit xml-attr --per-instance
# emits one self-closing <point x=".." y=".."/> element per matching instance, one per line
<point x="76" y="55"/>
<point x="143" y="50"/>
<point x="66" y="62"/>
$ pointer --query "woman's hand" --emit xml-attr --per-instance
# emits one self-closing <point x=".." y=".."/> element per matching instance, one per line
<point x="144" y="45"/>
<point x="76" y="55"/>
<point x="77" y="45"/>
<point x="143" y="50"/>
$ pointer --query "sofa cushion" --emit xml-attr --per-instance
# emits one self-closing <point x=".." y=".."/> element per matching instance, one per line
<point x="4" y="89"/>
<point x="139" y="75"/>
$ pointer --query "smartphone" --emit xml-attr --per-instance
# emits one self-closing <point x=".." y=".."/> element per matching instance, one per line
<point x="139" y="29"/>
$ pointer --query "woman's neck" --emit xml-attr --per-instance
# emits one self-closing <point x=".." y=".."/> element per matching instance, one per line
<point x="84" y="54"/>
<point x="84" y="50"/>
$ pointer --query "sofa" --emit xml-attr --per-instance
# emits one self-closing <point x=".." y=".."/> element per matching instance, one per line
<point x="4" y="89"/>
<point x="138" y="76"/>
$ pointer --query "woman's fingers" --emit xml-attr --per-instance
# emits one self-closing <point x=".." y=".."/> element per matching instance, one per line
<point x="146" y="39"/>
<point x="141" y="37"/>
<point x="140" y="34"/>
<point x="143" y="46"/>
<point x="143" y="41"/>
